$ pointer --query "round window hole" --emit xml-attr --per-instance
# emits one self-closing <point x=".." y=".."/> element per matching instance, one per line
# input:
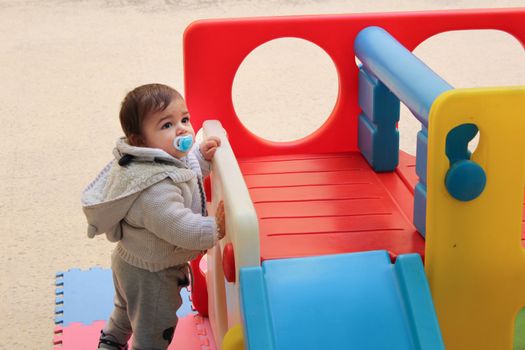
<point x="285" y="89"/>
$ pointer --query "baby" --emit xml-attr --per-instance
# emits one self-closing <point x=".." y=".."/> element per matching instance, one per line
<point x="150" y="199"/>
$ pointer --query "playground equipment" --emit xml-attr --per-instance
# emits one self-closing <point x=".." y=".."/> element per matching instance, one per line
<point x="326" y="239"/>
<point x="320" y="233"/>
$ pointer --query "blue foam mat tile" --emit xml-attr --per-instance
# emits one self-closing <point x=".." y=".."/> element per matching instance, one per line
<point x="86" y="296"/>
<point x="83" y="296"/>
<point x="186" y="307"/>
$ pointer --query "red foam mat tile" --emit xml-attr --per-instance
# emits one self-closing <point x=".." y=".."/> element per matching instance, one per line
<point x="77" y="336"/>
<point x="193" y="332"/>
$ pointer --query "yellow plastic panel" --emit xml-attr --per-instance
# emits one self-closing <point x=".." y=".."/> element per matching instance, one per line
<point x="474" y="259"/>
<point x="234" y="339"/>
<point x="242" y="230"/>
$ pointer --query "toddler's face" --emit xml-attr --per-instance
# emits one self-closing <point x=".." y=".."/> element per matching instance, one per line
<point x="159" y="129"/>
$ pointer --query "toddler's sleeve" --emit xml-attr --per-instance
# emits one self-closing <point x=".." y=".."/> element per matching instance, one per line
<point x="203" y="163"/>
<point x="164" y="214"/>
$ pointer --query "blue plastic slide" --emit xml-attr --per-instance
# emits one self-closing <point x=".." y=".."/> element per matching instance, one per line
<point x="346" y="301"/>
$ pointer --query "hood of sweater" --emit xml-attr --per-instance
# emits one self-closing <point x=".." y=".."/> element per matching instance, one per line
<point x="108" y="198"/>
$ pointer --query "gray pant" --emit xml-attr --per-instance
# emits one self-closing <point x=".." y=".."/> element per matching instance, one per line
<point x="145" y="304"/>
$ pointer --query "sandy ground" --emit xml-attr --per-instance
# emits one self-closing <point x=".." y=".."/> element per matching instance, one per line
<point x="64" y="68"/>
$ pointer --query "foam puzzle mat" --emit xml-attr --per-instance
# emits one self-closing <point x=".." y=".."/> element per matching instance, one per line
<point x="84" y="301"/>
<point x="83" y="296"/>
<point x="193" y="332"/>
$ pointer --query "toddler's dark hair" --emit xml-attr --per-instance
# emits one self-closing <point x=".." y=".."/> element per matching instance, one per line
<point x="140" y="102"/>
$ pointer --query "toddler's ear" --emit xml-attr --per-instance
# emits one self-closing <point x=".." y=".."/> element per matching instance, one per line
<point x="135" y="140"/>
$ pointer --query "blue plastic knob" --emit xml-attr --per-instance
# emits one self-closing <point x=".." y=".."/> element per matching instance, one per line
<point x="465" y="180"/>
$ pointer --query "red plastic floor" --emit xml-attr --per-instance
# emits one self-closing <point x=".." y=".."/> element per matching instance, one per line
<point x="328" y="204"/>
<point x="332" y="203"/>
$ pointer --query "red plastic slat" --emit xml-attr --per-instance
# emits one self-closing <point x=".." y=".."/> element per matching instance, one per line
<point x="292" y="165"/>
<point x="306" y="179"/>
<point x="371" y="222"/>
<point x="315" y="193"/>
<point x="395" y="242"/>
<point x="320" y="209"/>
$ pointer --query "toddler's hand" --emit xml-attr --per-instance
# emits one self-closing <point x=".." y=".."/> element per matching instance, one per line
<point x="209" y="146"/>
<point x="220" y="219"/>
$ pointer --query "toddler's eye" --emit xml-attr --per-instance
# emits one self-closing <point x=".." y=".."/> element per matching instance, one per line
<point x="185" y="120"/>
<point x="167" y="125"/>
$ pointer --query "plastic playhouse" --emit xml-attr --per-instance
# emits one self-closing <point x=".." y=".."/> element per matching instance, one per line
<point x="326" y="239"/>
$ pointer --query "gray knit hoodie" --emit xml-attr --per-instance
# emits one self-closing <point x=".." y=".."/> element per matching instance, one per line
<point x="151" y="206"/>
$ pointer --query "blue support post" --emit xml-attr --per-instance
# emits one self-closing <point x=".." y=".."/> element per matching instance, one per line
<point x="378" y="137"/>
<point x="420" y="192"/>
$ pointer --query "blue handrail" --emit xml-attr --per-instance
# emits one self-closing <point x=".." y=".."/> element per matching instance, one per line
<point x="412" y="81"/>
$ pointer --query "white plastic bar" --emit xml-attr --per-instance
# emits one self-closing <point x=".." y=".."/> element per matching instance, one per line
<point x="242" y="228"/>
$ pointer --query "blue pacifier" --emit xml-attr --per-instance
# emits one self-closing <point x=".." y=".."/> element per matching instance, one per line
<point x="183" y="143"/>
